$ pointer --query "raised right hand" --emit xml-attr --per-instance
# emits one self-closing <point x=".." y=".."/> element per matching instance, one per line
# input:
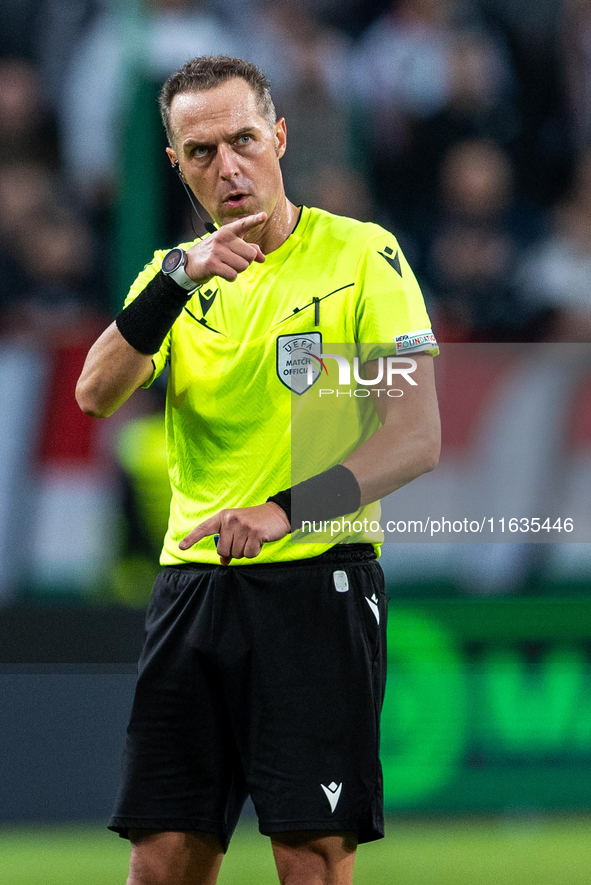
<point x="225" y="253"/>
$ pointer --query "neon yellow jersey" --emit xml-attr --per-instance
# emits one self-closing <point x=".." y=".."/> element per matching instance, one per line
<point x="231" y="380"/>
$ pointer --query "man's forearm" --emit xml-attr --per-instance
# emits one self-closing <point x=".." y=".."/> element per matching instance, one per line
<point x="405" y="446"/>
<point x="121" y="359"/>
<point x="390" y="459"/>
<point x="112" y="371"/>
<point x="409" y="441"/>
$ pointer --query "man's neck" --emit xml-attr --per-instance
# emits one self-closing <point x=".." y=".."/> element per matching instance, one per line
<point x="278" y="226"/>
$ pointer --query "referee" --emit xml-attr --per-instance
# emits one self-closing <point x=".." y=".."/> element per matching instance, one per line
<point x="263" y="666"/>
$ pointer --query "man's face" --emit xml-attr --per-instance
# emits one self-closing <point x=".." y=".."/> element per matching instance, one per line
<point x="228" y="154"/>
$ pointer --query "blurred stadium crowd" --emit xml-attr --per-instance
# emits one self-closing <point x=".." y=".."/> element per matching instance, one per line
<point x="464" y="126"/>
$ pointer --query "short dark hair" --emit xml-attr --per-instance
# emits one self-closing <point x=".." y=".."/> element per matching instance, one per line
<point x="208" y="71"/>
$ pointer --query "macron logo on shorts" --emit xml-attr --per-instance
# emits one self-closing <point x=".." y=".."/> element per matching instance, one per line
<point x="333" y="794"/>
<point x="373" y="604"/>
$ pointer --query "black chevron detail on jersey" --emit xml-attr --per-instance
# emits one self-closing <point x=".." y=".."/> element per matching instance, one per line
<point x="202" y="322"/>
<point x="206" y="299"/>
<point x="393" y="262"/>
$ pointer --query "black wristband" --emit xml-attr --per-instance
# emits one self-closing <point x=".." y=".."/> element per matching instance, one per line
<point x="283" y="499"/>
<point x="325" y="496"/>
<point x="146" y="322"/>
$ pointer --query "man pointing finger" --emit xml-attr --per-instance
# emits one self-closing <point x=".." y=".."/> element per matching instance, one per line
<point x="226" y="253"/>
<point x="263" y="666"/>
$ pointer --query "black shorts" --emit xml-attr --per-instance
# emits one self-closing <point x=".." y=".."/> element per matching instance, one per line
<point x="261" y="679"/>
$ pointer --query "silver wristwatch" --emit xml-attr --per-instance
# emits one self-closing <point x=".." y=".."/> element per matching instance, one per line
<point x="173" y="266"/>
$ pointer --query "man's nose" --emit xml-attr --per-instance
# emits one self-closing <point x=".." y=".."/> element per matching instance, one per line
<point x="228" y="161"/>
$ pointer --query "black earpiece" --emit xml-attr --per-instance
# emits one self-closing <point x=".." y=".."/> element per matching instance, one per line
<point x="209" y="227"/>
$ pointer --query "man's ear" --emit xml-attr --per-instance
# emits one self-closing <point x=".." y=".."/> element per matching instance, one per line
<point x="171" y="156"/>
<point x="280" y="137"/>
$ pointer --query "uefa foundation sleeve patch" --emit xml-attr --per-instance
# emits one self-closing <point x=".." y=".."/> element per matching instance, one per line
<point x="413" y="342"/>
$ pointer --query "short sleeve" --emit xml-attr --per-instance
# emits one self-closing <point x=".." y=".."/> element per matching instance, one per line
<point x="141" y="281"/>
<point x="390" y="312"/>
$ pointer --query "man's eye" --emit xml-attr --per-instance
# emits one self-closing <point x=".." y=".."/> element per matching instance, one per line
<point x="244" y="139"/>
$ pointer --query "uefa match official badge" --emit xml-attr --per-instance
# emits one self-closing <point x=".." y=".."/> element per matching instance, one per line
<point x="299" y="360"/>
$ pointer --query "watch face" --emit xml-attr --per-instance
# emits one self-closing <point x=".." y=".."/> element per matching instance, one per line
<point x="172" y="260"/>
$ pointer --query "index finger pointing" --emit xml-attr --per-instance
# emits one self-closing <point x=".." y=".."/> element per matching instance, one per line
<point x="209" y="527"/>
<point x="243" y="225"/>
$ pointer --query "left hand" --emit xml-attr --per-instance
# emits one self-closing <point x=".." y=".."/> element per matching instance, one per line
<point x="242" y="531"/>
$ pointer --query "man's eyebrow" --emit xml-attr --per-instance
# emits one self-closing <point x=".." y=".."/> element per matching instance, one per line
<point x="232" y="136"/>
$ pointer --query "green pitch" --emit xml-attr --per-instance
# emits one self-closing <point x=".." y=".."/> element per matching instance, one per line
<point x="511" y="852"/>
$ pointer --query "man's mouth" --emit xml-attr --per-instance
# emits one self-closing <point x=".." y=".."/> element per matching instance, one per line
<point x="236" y="200"/>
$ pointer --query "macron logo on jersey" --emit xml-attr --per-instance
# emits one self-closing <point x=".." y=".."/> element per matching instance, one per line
<point x="393" y="262"/>
<point x="415" y="341"/>
<point x="206" y="299"/>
